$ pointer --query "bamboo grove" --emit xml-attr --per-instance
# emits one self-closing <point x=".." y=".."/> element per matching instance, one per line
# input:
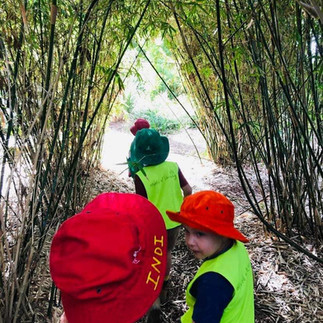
<point x="253" y="68"/>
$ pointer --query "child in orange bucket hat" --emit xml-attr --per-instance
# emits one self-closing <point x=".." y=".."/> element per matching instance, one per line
<point x="222" y="288"/>
<point x="109" y="261"/>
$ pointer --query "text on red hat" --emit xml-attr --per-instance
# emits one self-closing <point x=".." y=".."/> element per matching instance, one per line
<point x="154" y="274"/>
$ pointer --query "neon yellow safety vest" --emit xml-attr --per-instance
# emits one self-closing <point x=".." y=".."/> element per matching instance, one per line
<point x="235" y="266"/>
<point x="163" y="189"/>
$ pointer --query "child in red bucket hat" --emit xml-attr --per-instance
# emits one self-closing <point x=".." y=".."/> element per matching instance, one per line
<point x="138" y="125"/>
<point x="109" y="261"/>
<point x="222" y="288"/>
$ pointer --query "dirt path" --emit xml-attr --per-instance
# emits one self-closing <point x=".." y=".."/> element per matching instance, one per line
<point x="188" y="149"/>
<point x="288" y="285"/>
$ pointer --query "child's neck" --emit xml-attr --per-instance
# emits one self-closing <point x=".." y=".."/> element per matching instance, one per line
<point x="225" y="245"/>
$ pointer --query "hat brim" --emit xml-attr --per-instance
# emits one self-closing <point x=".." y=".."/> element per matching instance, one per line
<point x="133" y="130"/>
<point x="223" y="230"/>
<point x="132" y="298"/>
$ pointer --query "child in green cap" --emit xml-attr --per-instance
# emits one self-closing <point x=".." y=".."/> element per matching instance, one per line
<point x="162" y="183"/>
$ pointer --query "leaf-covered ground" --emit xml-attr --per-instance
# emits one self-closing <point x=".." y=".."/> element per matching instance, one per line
<point x="288" y="285"/>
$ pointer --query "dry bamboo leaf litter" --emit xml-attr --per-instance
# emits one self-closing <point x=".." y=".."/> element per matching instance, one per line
<point x="288" y="285"/>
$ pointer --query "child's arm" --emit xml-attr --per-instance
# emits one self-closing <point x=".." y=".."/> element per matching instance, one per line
<point x="213" y="293"/>
<point x="185" y="186"/>
<point x="63" y="319"/>
<point x="187" y="190"/>
<point x="139" y="187"/>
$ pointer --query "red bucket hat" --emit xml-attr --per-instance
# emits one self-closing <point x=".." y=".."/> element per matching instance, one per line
<point x="109" y="261"/>
<point x="138" y="125"/>
<point x="208" y="211"/>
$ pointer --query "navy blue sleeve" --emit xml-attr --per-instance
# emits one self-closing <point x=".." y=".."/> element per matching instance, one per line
<point x="182" y="180"/>
<point x="213" y="293"/>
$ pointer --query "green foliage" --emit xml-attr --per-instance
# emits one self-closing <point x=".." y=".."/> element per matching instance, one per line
<point x="161" y="123"/>
<point x="128" y="103"/>
<point x="251" y="68"/>
<point x="165" y="64"/>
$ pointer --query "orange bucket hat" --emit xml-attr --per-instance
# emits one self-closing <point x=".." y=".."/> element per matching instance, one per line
<point x="208" y="211"/>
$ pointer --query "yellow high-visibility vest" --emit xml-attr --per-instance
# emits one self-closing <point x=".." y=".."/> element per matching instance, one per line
<point x="235" y="266"/>
<point x="163" y="189"/>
